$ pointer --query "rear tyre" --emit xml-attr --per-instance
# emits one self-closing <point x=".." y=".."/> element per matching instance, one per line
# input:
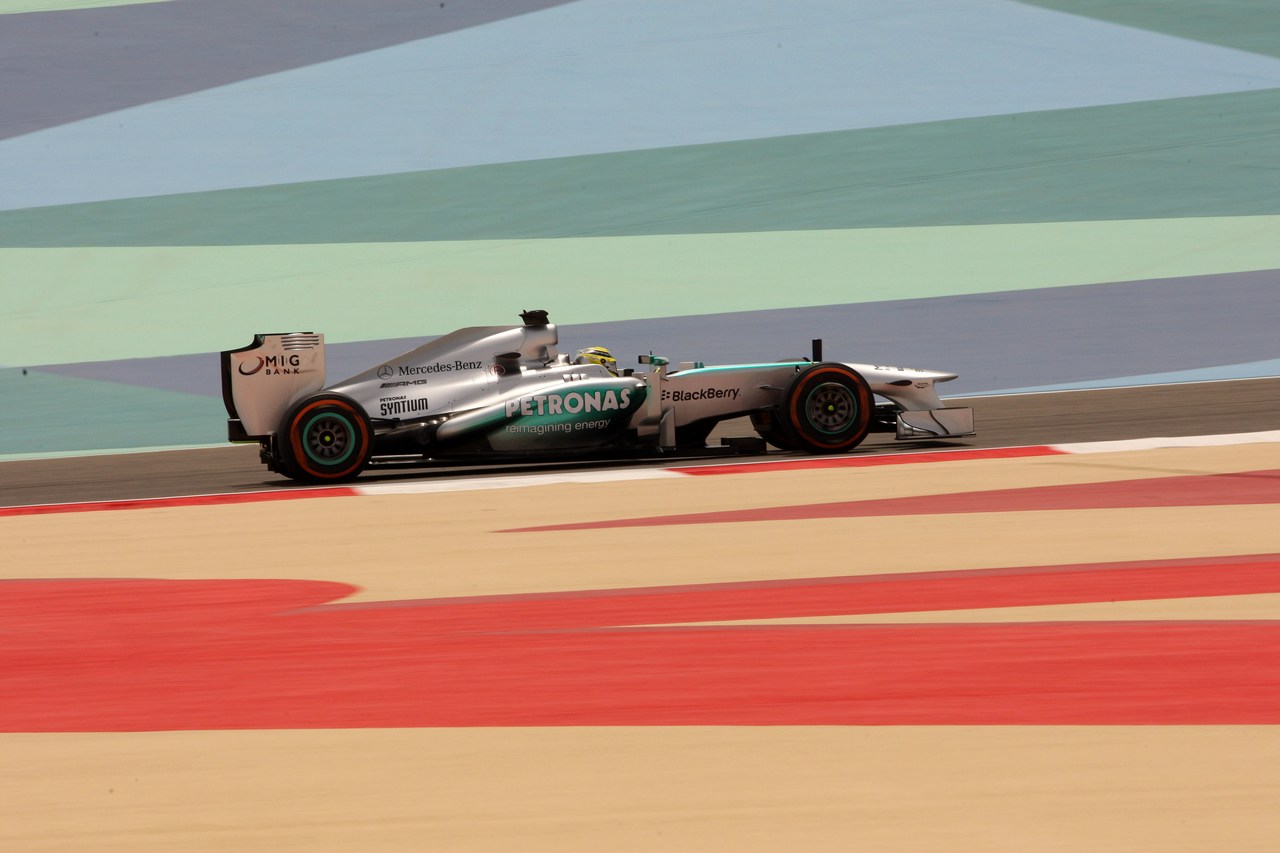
<point x="325" y="439"/>
<point x="826" y="409"/>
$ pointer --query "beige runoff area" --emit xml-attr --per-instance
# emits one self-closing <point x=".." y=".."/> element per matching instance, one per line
<point x="1163" y="788"/>
<point x="733" y="789"/>
<point x="457" y="550"/>
<point x="98" y="304"/>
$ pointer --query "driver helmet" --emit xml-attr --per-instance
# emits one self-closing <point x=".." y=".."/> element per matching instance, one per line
<point x="597" y="355"/>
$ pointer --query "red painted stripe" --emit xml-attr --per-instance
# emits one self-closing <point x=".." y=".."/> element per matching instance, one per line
<point x="1246" y="487"/>
<point x="812" y="462"/>
<point x="151" y="655"/>
<point x="914" y="592"/>
<point x="193" y="500"/>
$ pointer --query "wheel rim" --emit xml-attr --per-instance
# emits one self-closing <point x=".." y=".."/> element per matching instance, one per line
<point x="328" y="439"/>
<point x="831" y="408"/>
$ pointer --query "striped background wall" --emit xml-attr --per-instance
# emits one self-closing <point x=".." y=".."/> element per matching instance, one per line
<point x="1064" y="193"/>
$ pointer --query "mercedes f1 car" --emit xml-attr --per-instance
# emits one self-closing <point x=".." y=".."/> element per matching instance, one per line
<point x="501" y="392"/>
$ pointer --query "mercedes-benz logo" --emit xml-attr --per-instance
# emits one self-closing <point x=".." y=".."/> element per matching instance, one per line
<point x="385" y="372"/>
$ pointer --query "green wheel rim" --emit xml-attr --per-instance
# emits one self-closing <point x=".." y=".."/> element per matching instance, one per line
<point x="831" y="408"/>
<point x="328" y="438"/>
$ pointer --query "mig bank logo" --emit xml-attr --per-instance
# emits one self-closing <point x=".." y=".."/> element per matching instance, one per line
<point x="272" y="365"/>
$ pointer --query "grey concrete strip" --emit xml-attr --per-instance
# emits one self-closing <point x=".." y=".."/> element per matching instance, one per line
<point x="1057" y="335"/>
<point x="200" y="373"/>
<point x="995" y="341"/>
<point x="71" y="65"/>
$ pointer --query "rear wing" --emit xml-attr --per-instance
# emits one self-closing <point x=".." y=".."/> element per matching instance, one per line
<point x="262" y="380"/>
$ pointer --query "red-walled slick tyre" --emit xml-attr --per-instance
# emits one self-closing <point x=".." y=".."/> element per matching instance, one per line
<point x="826" y="409"/>
<point x="326" y="439"/>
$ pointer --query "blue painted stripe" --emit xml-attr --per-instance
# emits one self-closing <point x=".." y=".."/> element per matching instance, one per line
<point x="601" y="75"/>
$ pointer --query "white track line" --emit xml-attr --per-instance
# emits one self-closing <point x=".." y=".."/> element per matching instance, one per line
<point x="1173" y="441"/>
<point x="516" y="481"/>
<point x="617" y="475"/>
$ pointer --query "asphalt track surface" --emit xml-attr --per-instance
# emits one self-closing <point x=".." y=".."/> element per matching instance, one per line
<point x="1005" y="421"/>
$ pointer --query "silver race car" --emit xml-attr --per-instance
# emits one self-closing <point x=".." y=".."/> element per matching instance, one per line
<point x="505" y="392"/>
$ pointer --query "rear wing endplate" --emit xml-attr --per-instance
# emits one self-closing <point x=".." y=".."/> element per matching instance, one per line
<point x="262" y="380"/>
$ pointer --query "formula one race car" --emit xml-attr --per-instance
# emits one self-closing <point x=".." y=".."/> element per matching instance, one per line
<point x="503" y="392"/>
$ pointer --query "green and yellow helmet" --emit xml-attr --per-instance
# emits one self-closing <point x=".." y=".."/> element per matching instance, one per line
<point x="597" y="355"/>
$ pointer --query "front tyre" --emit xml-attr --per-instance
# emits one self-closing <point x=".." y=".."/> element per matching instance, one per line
<point x="325" y="439"/>
<point x="826" y="409"/>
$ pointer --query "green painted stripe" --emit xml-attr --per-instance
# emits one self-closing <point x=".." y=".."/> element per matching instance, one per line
<point x="1251" y="25"/>
<point x="1194" y="157"/>
<point x="102" y="304"/>
<point x="49" y="415"/>
<point x="17" y="7"/>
